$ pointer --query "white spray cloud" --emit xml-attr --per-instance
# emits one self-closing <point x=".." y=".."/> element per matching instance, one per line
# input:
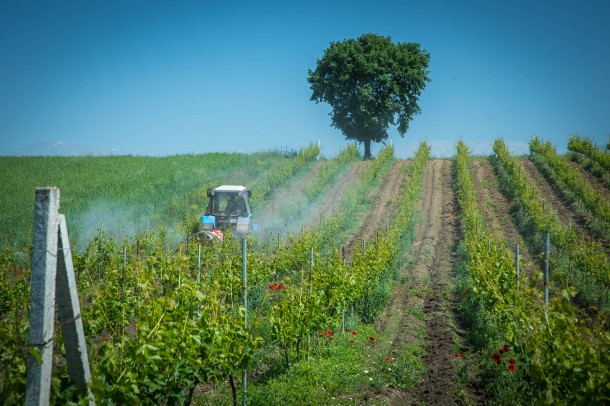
<point x="115" y="219"/>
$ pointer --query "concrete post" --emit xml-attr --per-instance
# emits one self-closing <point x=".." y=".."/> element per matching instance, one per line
<point x="69" y="316"/>
<point x="42" y="301"/>
<point x="52" y="282"/>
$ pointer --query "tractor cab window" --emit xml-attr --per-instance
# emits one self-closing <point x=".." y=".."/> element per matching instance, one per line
<point x="226" y="204"/>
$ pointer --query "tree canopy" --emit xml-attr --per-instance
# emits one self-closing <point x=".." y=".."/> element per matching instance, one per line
<point x="370" y="83"/>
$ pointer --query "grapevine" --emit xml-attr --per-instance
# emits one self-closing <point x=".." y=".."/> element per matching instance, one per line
<point x="566" y="361"/>
<point x="588" y="257"/>
<point x="586" y="147"/>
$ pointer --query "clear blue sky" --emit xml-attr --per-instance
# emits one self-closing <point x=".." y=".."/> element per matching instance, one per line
<point x="157" y="78"/>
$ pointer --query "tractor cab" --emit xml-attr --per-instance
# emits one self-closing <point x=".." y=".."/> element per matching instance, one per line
<point x="228" y="208"/>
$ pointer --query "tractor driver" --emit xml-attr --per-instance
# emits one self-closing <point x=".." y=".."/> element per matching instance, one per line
<point x="233" y="206"/>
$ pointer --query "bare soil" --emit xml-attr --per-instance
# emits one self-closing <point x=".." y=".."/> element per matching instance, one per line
<point x="385" y="200"/>
<point x="428" y="289"/>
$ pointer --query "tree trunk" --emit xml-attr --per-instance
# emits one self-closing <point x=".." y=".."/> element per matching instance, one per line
<point x="233" y="389"/>
<point x="367" y="149"/>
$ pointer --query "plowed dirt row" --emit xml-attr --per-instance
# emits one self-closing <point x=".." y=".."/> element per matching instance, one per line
<point x="420" y="307"/>
<point x="385" y="200"/>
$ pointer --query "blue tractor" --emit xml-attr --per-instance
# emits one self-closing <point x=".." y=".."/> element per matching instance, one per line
<point x="228" y="208"/>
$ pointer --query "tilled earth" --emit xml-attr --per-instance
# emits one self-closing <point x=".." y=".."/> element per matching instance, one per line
<point x="427" y="289"/>
<point x="384" y="208"/>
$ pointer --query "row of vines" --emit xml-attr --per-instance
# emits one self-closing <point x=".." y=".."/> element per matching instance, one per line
<point x="563" y="360"/>
<point x="585" y="147"/>
<point x="160" y="320"/>
<point x="586" y="257"/>
<point x="579" y="190"/>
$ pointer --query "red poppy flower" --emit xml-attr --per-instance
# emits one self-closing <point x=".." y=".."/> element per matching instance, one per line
<point x="504" y="349"/>
<point x="511" y="362"/>
<point x="331" y="338"/>
<point x="329" y="333"/>
<point x="511" y="368"/>
<point x="496" y="357"/>
<point x="354" y="333"/>
<point x="351" y="341"/>
<point x="347" y="330"/>
<point x="388" y="359"/>
<point x="462" y="355"/>
<point x="372" y="338"/>
<point x="276" y="286"/>
<point x="455" y="356"/>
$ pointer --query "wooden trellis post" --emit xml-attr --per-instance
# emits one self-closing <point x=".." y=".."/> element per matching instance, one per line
<point x="52" y="283"/>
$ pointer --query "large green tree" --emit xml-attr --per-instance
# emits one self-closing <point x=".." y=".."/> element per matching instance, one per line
<point x="370" y="83"/>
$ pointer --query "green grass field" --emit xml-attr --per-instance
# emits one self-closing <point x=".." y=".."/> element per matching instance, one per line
<point x="122" y="194"/>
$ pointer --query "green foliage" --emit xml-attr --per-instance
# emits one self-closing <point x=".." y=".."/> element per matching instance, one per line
<point x="101" y="192"/>
<point x="566" y="361"/>
<point x="13" y="336"/>
<point x="370" y="83"/>
<point x="585" y="146"/>
<point x="264" y="189"/>
<point x="355" y="202"/>
<point x="588" y="257"/>
<point x="330" y="171"/>
<point x="570" y="179"/>
<point x="159" y="322"/>
<point x="335" y="373"/>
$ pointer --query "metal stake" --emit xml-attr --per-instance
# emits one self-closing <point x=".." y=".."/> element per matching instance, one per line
<point x="244" y="287"/>
<point x="517" y="266"/>
<point x="547" y="244"/>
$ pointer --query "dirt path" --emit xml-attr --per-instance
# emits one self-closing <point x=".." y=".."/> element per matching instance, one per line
<point x="423" y="304"/>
